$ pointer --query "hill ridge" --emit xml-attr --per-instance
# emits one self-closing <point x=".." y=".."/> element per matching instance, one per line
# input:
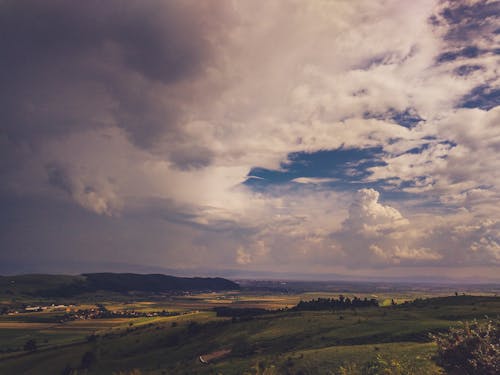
<point x="67" y="286"/>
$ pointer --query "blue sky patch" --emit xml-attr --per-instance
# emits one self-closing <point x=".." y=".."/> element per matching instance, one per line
<point x="466" y="52"/>
<point x="418" y="150"/>
<point x="465" y="70"/>
<point x="343" y="167"/>
<point x="409" y="118"/>
<point x="425" y="146"/>
<point x="484" y="97"/>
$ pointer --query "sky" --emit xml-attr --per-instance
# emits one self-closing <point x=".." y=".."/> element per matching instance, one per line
<point x="322" y="138"/>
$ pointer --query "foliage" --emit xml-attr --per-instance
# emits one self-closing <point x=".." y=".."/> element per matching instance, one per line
<point x="127" y="282"/>
<point x="294" y="342"/>
<point x="456" y="300"/>
<point x="261" y="368"/>
<point x="473" y="348"/>
<point x="341" y="303"/>
<point x="378" y="366"/>
<point x="384" y="366"/>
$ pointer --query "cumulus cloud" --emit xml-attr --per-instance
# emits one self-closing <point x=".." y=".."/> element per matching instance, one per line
<point x="460" y="171"/>
<point x="379" y="234"/>
<point x="242" y="257"/>
<point x="160" y="109"/>
<point x="368" y="217"/>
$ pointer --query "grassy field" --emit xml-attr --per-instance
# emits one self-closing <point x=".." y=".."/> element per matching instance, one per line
<point x="293" y="342"/>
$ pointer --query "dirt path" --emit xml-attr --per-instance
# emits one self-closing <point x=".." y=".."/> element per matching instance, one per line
<point x="210" y="357"/>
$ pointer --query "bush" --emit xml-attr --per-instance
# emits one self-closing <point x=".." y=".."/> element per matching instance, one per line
<point x="378" y="366"/>
<point x="384" y="366"/>
<point x="471" y="349"/>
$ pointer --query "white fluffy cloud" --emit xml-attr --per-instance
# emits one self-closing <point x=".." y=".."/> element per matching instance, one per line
<point x="368" y="217"/>
<point x="379" y="234"/>
<point x="262" y="81"/>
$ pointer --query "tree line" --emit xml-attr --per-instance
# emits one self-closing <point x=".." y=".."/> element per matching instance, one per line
<point x="341" y="303"/>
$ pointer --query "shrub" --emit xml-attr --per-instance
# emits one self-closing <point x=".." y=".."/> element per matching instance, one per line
<point x="384" y="366"/>
<point x="377" y="366"/>
<point x="472" y="349"/>
<point x="262" y="369"/>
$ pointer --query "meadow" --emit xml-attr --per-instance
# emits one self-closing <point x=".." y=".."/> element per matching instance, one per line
<point x="394" y="335"/>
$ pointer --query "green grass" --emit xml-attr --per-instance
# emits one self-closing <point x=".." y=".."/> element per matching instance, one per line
<point x="306" y="342"/>
<point x="329" y="360"/>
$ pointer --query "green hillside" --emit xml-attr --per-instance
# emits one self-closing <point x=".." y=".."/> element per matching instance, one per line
<point x="69" y="286"/>
<point x="33" y="283"/>
<point x="287" y="342"/>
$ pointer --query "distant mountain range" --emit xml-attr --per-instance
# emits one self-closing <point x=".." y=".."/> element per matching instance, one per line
<point x="73" y="268"/>
<point x="68" y="286"/>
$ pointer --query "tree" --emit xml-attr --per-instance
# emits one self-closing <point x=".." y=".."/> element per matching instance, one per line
<point x="472" y="349"/>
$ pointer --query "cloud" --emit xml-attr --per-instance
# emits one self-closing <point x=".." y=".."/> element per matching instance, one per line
<point x="242" y="257"/>
<point x="72" y="67"/>
<point x="468" y="20"/>
<point x="95" y="195"/>
<point x="378" y="234"/>
<point x="313" y="180"/>
<point x="161" y="110"/>
<point x="404" y="254"/>
<point x="368" y="217"/>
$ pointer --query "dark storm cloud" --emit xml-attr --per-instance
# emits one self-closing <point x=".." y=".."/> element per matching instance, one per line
<point x="191" y="158"/>
<point x="69" y="66"/>
<point x="128" y="126"/>
<point x="59" y="177"/>
<point x="47" y="234"/>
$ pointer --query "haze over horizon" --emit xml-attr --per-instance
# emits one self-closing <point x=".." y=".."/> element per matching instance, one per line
<point x="293" y="138"/>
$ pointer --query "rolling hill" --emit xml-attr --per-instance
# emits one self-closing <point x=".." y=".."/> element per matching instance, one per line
<point x="67" y="286"/>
